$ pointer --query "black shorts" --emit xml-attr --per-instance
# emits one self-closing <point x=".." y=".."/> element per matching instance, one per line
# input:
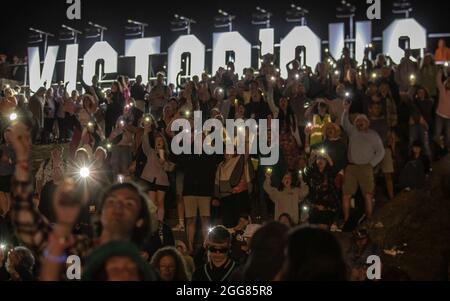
<point x="148" y="186"/>
<point x="5" y="183"/>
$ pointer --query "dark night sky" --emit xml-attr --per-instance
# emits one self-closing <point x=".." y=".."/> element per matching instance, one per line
<point x="432" y="14"/>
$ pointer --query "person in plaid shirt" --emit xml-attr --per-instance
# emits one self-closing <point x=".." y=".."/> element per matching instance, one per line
<point x="123" y="214"/>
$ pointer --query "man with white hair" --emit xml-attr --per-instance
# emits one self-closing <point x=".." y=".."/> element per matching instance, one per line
<point x="365" y="151"/>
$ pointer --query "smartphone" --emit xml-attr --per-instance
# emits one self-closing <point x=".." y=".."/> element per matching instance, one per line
<point x="120" y="179"/>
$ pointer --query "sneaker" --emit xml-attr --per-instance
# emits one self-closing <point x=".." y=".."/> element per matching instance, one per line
<point x="178" y="228"/>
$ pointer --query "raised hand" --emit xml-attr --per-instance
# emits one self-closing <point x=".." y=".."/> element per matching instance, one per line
<point x="20" y="139"/>
<point x="347" y="104"/>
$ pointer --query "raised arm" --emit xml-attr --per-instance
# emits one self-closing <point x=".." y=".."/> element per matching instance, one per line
<point x="303" y="190"/>
<point x="345" y="121"/>
<point x="146" y="147"/>
<point x="270" y="190"/>
<point x="270" y="101"/>
<point x="31" y="227"/>
<point x="66" y="93"/>
<point x="288" y="66"/>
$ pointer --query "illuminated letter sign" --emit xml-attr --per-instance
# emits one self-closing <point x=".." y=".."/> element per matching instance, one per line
<point x="183" y="44"/>
<point x="363" y="38"/>
<point x="300" y="36"/>
<point x="100" y="50"/>
<point x="223" y="43"/>
<point x="36" y="78"/>
<point x="403" y="28"/>
<point x="141" y="49"/>
<point x="336" y="36"/>
<point x="267" y="40"/>
<point x="231" y="41"/>
<point x="70" y="71"/>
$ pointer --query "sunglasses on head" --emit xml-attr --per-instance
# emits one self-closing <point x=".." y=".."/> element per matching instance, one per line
<point x="218" y="250"/>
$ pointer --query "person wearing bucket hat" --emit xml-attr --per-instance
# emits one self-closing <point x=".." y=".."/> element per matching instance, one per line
<point x="118" y="261"/>
<point x="365" y="152"/>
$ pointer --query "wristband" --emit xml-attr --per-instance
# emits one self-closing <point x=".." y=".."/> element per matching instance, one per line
<point x="55" y="259"/>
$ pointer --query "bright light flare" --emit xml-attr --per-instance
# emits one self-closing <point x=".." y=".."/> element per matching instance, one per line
<point x="85" y="172"/>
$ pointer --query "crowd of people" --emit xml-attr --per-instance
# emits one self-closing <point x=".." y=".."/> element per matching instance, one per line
<point x="14" y="69"/>
<point x="107" y="188"/>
